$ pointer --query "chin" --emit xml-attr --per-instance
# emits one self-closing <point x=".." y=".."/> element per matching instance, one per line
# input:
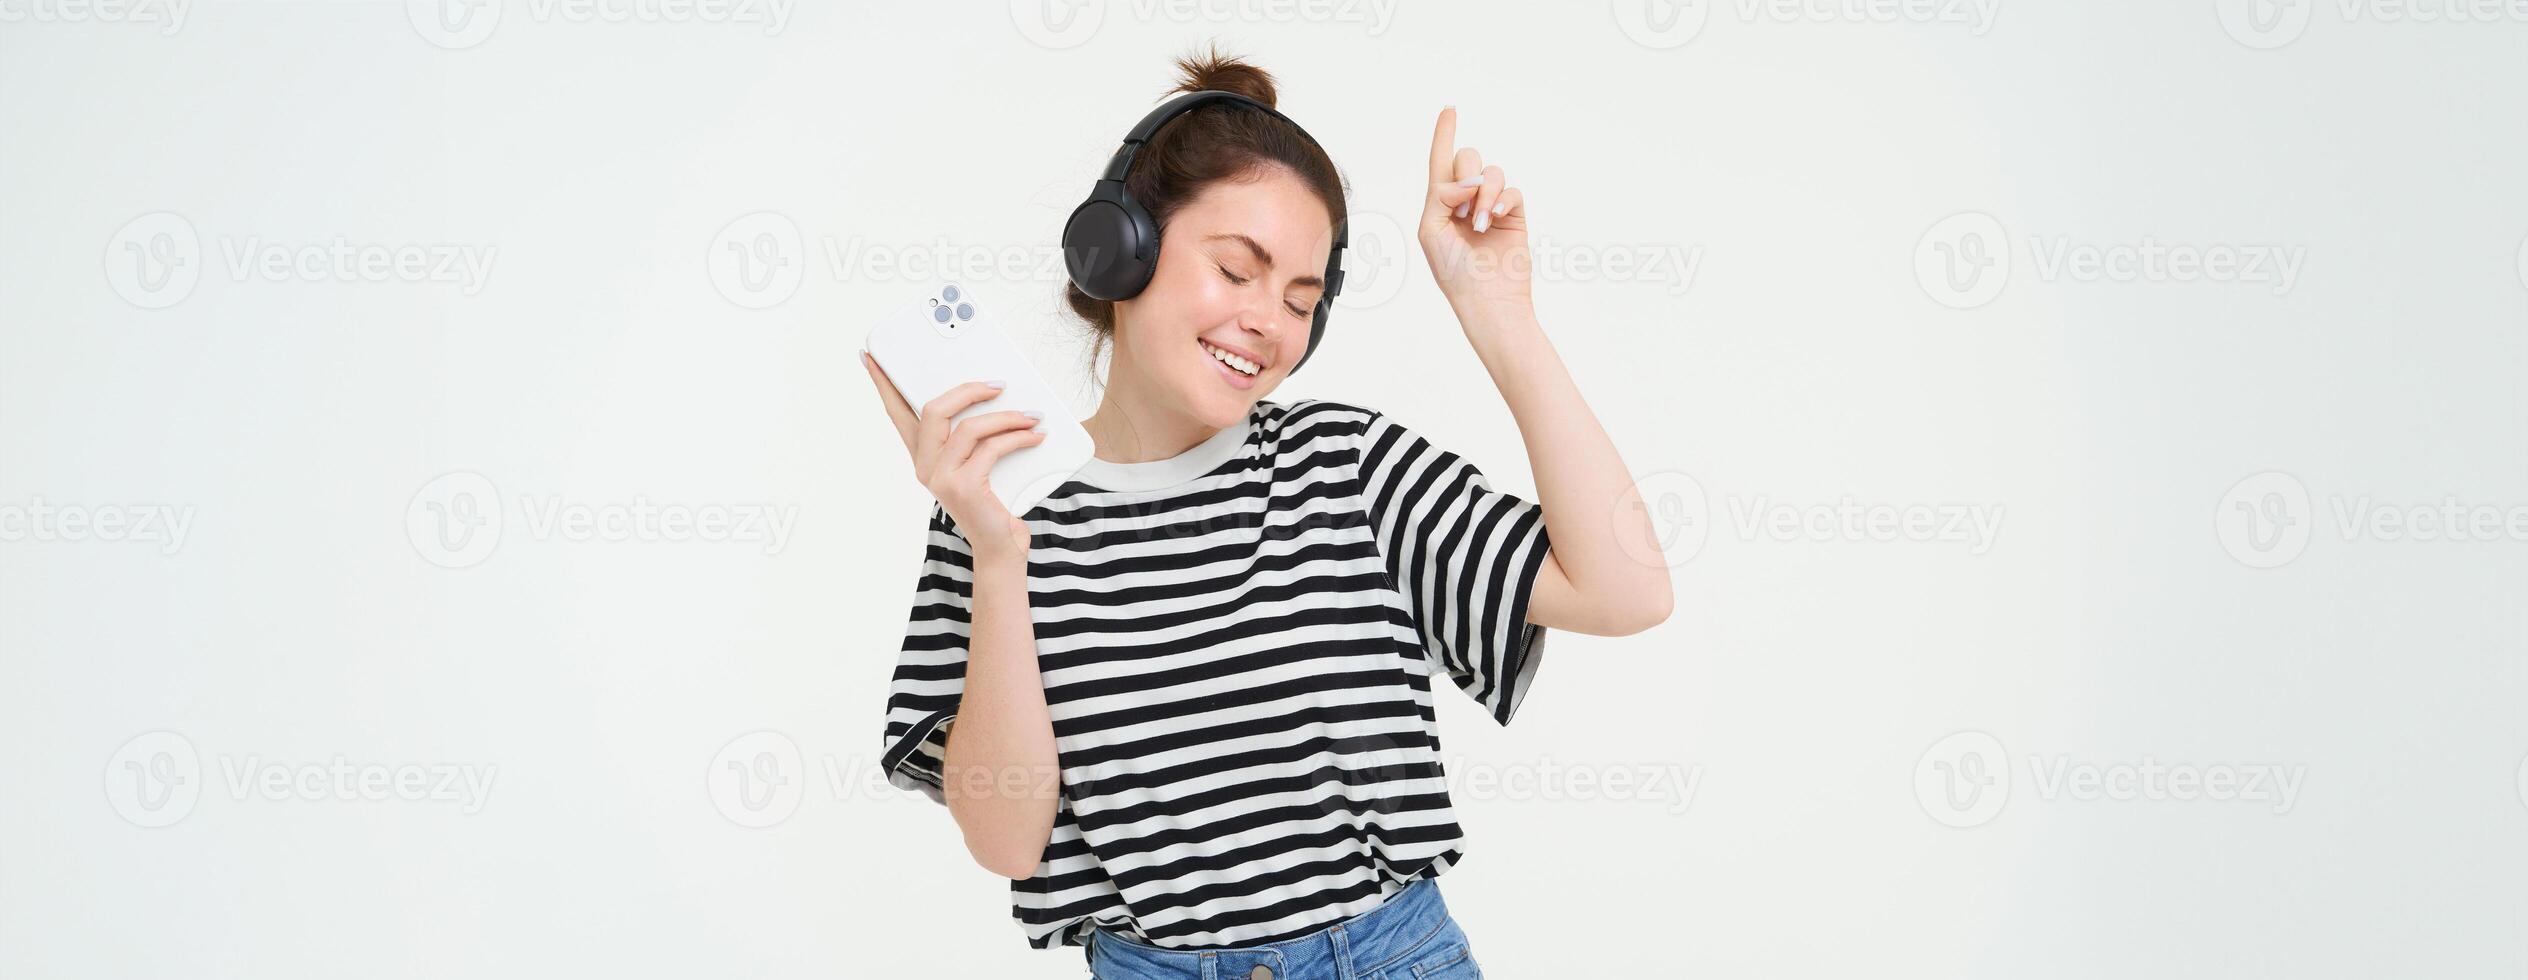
<point x="1222" y="409"/>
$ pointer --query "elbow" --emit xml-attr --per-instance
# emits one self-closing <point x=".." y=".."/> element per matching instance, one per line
<point x="1008" y="862"/>
<point x="1650" y="610"/>
<point x="1010" y="852"/>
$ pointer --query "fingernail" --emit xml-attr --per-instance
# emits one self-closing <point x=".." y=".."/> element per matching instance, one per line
<point x="1483" y="221"/>
<point x="996" y="385"/>
<point x="1461" y="209"/>
<point x="1501" y="208"/>
<point x="1474" y="181"/>
<point x="1031" y="413"/>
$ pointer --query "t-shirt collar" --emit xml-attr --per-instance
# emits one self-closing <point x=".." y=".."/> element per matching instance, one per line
<point x="1183" y="467"/>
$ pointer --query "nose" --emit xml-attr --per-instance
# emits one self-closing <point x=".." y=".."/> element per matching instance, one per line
<point x="1263" y="325"/>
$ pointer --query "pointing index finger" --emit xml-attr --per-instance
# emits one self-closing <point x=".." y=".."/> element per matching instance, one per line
<point x="1444" y="146"/>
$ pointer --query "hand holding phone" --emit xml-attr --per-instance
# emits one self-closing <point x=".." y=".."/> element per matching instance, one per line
<point x="968" y="441"/>
<point x="954" y="463"/>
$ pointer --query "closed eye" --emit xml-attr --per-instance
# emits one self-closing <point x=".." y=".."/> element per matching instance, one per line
<point x="1238" y="280"/>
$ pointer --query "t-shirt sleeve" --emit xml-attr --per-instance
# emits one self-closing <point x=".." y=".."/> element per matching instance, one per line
<point x="1463" y="554"/>
<point x="930" y="673"/>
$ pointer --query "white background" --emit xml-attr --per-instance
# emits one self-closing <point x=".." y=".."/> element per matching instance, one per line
<point x="2148" y="599"/>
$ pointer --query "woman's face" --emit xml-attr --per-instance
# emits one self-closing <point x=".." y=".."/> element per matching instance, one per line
<point x="1240" y="268"/>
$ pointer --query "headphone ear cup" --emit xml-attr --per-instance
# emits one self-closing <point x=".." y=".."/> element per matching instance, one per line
<point x="1325" y="307"/>
<point x="1110" y="247"/>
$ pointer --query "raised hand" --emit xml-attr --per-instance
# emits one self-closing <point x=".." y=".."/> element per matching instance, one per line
<point x="1474" y="228"/>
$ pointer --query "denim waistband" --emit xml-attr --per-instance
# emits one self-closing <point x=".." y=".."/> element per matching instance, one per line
<point x="1359" y="945"/>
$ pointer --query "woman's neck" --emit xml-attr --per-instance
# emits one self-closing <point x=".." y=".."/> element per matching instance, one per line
<point x="1131" y="426"/>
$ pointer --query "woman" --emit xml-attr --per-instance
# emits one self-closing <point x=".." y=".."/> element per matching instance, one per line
<point x="1184" y="703"/>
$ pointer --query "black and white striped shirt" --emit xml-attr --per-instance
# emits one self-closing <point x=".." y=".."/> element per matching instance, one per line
<point x="1237" y="646"/>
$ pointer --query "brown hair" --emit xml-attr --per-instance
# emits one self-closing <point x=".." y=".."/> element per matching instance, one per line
<point x="1220" y="141"/>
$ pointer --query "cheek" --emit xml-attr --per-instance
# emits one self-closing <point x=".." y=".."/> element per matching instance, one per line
<point x="1191" y="297"/>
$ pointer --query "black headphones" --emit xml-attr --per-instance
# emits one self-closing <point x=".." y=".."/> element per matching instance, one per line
<point x="1111" y="245"/>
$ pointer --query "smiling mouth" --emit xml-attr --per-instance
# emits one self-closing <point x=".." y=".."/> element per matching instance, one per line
<point x="1235" y="363"/>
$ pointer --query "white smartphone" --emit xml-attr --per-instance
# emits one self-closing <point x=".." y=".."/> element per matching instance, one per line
<point x="948" y="339"/>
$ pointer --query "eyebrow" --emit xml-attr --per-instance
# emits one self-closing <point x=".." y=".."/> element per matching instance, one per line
<point x="1265" y="257"/>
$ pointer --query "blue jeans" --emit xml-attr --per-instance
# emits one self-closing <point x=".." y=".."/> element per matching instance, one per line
<point x="1408" y="937"/>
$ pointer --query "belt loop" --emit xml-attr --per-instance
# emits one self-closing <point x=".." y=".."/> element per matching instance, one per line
<point x="1342" y="955"/>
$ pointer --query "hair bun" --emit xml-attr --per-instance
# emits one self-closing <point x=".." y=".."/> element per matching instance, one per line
<point x="1224" y="73"/>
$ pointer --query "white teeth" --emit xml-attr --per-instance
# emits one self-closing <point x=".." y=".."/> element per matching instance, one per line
<point x="1244" y="366"/>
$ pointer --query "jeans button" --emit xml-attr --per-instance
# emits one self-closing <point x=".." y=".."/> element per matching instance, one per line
<point x="1261" y="972"/>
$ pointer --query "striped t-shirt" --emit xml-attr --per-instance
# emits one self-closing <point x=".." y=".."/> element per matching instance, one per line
<point x="1237" y="646"/>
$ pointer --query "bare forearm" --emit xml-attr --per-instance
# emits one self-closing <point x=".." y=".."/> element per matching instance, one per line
<point x="1001" y="780"/>
<point x="1595" y="524"/>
